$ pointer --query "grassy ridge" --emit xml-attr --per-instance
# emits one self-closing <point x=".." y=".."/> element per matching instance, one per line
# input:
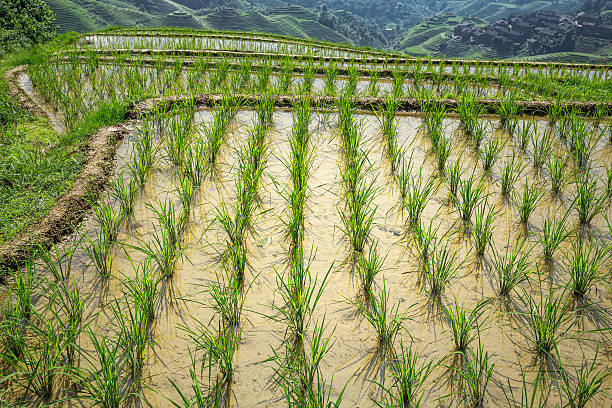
<point x="37" y="164"/>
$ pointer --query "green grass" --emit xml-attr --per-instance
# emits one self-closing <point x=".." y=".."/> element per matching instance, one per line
<point x="37" y="164"/>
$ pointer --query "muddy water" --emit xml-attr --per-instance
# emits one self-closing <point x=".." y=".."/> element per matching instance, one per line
<point x="185" y="304"/>
<point x="25" y="83"/>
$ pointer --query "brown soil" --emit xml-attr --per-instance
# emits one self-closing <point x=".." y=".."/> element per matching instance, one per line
<point x="365" y="104"/>
<point x="99" y="151"/>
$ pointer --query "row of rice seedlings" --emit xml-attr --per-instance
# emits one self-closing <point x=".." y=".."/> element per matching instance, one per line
<point x="177" y="134"/>
<point x="214" y="133"/>
<point x="299" y="165"/>
<point x="219" y="345"/>
<point x="165" y="247"/>
<point x="216" y="345"/>
<point x="39" y="345"/>
<point x="441" y="145"/>
<point x="388" y="123"/>
<point x="358" y="214"/>
<point x="238" y="221"/>
<point x="100" y="247"/>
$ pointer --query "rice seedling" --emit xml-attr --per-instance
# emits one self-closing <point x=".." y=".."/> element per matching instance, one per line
<point x="443" y="152"/>
<point x="194" y="165"/>
<point x="408" y="381"/>
<point x="215" y="132"/>
<point x="483" y="227"/>
<point x="589" y="200"/>
<point x="512" y="268"/>
<point x="16" y="311"/>
<point x="510" y="172"/>
<point x="397" y="90"/>
<point x="301" y="381"/>
<point x="585" y="385"/>
<point x="554" y="232"/>
<point x="463" y="323"/>
<point x="104" y="386"/>
<point x="179" y="128"/>
<point x="142" y="155"/>
<point x="547" y="321"/>
<point x="358" y="217"/>
<point x="263" y="77"/>
<point x="165" y="248"/>
<point x="426" y="240"/>
<point x="387" y="320"/>
<point x="453" y="176"/>
<point x="286" y="77"/>
<point x="373" y="85"/>
<point x="133" y="341"/>
<point x="124" y="193"/>
<point x="368" y="267"/>
<point x="470" y="195"/>
<point x="388" y="123"/>
<point x="491" y="153"/>
<point x="417" y="197"/>
<point x="560" y="175"/>
<point x="228" y="297"/>
<point x="526" y="133"/>
<point x="218" y="348"/>
<point x="309" y="76"/>
<point x="300" y="295"/>
<point x="582" y="143"/>
<point x="476" y="376"/>
<point x="441" y="268"/>
<point x="67" y="309"/>
<point x="331" y="73"/>
<point x="201" y="398"/>
<point x="526" y="203"/>
<point x="508" y="109"/>
<point x="583" y="265"/>
<point x="100" y="248"/>
<point x="532" y="395"/>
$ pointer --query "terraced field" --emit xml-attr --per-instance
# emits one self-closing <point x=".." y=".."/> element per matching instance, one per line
<point x="293" y="223"/>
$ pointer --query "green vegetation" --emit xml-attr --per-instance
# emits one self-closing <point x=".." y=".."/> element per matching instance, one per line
<point x="281" y="223"/>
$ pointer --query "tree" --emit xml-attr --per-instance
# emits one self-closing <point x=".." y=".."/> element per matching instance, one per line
<point x="25" y="22"/>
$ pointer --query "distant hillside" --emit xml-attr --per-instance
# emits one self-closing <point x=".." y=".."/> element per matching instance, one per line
<point x="493" y="10"/>
<point x="417" y="27"/>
